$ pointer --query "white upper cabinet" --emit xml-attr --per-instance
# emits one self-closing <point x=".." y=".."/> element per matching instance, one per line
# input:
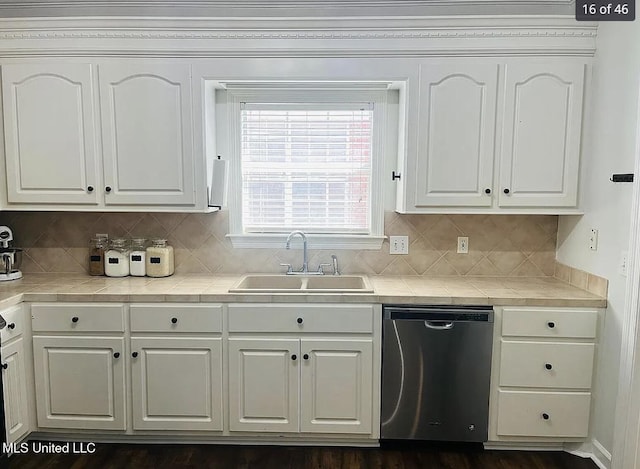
<point x="493" y="136"/>
<point x="109" y="136"/>
<point x="147" y="134"/>
<point x="541" y="134"/>
<point x="456" y="134"/>
<point x="49" y="133"/>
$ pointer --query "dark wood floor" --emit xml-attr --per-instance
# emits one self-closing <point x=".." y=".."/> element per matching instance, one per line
<point x="423" y="456"/>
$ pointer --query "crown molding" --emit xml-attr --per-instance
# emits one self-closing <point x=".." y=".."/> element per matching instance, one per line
<point x="300" y="36"/>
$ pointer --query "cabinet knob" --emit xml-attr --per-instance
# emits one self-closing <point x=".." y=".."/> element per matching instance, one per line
<point x="4" y="366"/>
<point x="89" y="188"/>
<point x="12" y="326"/>
<point x="305" y="356"/>
<point x="551" y="324"/>
<point x="548" y="366"/>
<point x="506" y="191"/>
<point x="134" y="354"/>
<point x="299" y="320"/>
<point x="294" y="357"/>
<point x="487" y="191"/>
<point x="74" y="319"/>
<point x="545" y="416"/>
<point x="107" y="189"/>
<point x="174" y="320"/>
<point x="116" y="355"/>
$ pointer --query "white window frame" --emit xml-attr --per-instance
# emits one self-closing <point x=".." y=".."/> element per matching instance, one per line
<point x="235" y="96"/>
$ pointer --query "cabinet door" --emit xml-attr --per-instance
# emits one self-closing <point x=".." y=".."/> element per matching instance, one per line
<point x="147" y="134"/>
<point x="80" y="382"/>
<point x="541" y="135"/>
<point x="336" y="386"/>
<point x="456" y="134"/>
<point x="263" y="384"/>
<point x="49" y="133"/>
<point x="177" y="383"/>
<point x="14" y="384"/>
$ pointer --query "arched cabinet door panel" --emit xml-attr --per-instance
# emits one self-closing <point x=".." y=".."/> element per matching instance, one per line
<point x="49" y="127"/>
<point x="540" y="150"/>
<point x="454" y="165"/>
<point x="147" y="134"/>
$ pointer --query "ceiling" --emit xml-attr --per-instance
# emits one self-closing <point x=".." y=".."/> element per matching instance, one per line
<point x="281" y="8"/>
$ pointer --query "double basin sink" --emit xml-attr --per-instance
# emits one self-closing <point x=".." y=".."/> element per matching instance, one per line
<point x="303" y="284"/>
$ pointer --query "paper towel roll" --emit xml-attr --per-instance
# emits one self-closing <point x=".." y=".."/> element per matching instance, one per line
<point x="218" y="187"/>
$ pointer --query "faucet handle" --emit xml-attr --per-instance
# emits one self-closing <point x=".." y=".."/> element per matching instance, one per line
<point x="320" y="268"/>
<point x="289" y="268"/>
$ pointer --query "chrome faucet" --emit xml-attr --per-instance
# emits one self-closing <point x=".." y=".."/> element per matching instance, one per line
<point x="305" y="254"/>
<point x="334" y="258"/>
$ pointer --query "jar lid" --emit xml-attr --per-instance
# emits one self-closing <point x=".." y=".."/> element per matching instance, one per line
<point x="118" y="242"/>
<point x="159" y="242"/>
<point x="138" y="240"/>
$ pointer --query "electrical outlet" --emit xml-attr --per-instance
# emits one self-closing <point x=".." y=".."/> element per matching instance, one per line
<point x="622" y="266"/>
<point x="463" y="244"/>
<point x="398" y="245"/>
<point x="593" y="239"/>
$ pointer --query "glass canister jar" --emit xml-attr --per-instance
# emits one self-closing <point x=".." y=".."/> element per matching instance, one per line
<point x="137" y="257"/>
<point x="116" y="259"/>
<point x="160" y="262"/>
<point x="97" y="248"/>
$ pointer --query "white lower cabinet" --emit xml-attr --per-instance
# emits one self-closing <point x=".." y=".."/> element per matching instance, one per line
<point x="15" y="368"/>
<point x="79" y="365"/>
<point x="80" y="382"/>
<point x="263" y="384"/>
<point x="309" y="380"/>
<point x="336" y="385"/>
<point x="542" y="374"/>
<point x="176" y="383"/>
<point x="14" y="392"/>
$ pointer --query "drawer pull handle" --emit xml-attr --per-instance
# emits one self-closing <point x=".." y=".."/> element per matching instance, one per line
<point x="551" y="324"/>
<point x="74" y="319"/>
<point x="12" y="325"/>
<point x="294" y="357"/>
<point x="545" y="416"/>
<point x="134" y="354"/>
<point x="116" y="355"/>
<point x="4" y="366"/>
<point x="305" y="356"/>
<point x="548" y="366"/>
<point x="299" y="320"/>
<point x="487" y="191"/>
<point x="174" y="320"/>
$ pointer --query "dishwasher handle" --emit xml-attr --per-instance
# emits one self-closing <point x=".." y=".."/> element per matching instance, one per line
<point x="438" y="327"/>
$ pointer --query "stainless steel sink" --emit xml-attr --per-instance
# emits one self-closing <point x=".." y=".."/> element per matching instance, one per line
<point x="301" y="284"/>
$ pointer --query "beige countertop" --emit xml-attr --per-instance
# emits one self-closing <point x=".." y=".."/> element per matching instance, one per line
<point x="499" y="291"/>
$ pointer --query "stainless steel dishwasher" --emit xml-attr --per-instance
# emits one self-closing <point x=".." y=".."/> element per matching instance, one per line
<point x="436" y="367"/>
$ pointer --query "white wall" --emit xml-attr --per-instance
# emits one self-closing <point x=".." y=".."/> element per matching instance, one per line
<point x="608" y="147"/>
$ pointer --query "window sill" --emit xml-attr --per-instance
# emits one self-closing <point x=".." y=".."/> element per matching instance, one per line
<point x="315" y="241"/>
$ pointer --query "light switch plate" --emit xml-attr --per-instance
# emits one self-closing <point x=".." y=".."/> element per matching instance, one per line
<point x="398" y="245"/>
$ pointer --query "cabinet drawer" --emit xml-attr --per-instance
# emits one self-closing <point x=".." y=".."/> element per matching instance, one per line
<point x="78" y="317"/>
<point x="176" y="318"/>
<point x="296" y="318"/>
<point x="522" y="414"/>
<point x="15" y="323"/>
<point x="546" y="364"/>
<point x="547" y="322"/>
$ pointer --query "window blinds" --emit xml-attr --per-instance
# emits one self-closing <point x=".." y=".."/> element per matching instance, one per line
<point x="306" y="166"/>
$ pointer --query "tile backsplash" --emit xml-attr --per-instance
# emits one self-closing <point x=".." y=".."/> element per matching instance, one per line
<point x="499" y="245"/>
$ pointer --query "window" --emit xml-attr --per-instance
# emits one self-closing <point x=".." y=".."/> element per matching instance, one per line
<point x="307" y="161"/>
